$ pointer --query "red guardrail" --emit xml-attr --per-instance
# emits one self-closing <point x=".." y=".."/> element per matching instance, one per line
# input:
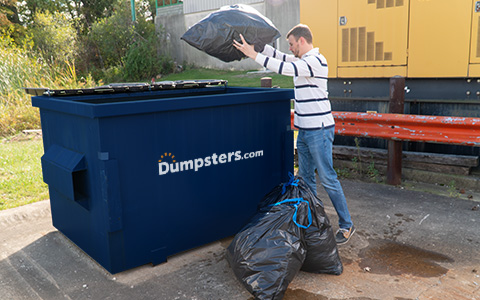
<point x="400" y="127"/>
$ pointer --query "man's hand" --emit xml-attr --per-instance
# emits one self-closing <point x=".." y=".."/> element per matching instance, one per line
<point x="245" y="48"/>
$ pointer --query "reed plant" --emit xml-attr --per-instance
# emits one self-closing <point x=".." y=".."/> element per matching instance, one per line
<point x="19" y="68"/>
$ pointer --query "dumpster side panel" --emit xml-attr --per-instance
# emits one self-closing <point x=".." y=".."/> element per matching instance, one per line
<point x="80" y="218"/>
<point x="189" y="177"/>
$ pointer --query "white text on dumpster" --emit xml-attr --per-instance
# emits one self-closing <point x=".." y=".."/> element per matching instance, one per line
<point x="197" y="163"/>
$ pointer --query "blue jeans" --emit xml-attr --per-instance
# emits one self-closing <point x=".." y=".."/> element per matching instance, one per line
<point x="315" y="152"/>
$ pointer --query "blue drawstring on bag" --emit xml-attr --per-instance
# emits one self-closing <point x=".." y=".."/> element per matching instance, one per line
<point x="296" y="202"/>
<point x="290" y="182"/>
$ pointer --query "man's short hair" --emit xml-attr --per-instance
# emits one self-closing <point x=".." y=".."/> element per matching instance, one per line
<point x="301" y="30"/>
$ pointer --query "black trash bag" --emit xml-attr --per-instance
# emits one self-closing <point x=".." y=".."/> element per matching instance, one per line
<point x="322" y="252"/>
<point x="269" y="251"/>
<point x="215" y="33"/>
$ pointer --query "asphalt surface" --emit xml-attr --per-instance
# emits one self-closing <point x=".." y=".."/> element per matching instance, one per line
<point x="408" y="245"/>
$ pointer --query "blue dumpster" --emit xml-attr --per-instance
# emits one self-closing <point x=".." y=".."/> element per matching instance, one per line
<point x="135" y="176"/>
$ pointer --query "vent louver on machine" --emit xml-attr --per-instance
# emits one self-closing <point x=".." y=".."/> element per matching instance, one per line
<point x="360" y="45"/>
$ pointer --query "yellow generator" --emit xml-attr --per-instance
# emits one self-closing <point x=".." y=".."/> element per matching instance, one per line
<point x="434" y="44"/>
<point x="416" y="39"/>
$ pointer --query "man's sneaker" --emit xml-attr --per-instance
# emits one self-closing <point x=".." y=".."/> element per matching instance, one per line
<point x="343" y="235"/>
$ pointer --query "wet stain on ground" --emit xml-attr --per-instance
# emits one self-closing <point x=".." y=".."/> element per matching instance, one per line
<point x="393" y="258"/>
<point x="393" y="226"/>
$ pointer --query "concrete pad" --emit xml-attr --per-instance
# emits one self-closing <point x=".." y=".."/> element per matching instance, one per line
<point x="408" y="245"/>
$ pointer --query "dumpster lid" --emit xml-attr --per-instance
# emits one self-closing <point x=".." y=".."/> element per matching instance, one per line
<point x="126" y="87"/>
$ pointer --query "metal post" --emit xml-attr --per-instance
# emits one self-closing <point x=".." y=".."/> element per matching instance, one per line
<point x="266" y="82"/>
<point x="396" y="105"/>
<point x="133" y="10"/>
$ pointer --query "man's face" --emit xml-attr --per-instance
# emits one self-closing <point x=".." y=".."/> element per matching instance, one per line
<point x="294" y="45"/>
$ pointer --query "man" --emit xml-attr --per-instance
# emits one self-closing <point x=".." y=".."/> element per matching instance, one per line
<point x="313" y="116"/>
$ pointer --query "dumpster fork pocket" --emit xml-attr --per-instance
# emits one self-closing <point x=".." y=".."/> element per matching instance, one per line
<point x="65" y="171"/>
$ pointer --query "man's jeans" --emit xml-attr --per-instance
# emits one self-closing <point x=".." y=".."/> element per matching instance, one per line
<point x="315" y="152"/>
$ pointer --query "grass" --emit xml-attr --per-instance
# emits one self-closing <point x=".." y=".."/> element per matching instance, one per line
<point x="234" y="78"/>
<point x="20" y="172"/>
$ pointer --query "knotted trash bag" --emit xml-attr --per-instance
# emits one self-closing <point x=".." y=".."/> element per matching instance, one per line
<point x="215" y="33"/>
<point x="322" y="252"/>
<point x="269" y="251"/>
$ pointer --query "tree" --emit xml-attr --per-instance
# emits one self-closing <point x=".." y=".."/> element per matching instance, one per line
<point x="54" y="36"/>
<point x="8" y="12"/>
<point x="10" y="25"/>
<point x="91" y="11"/>
<point x="113" y="35"/>
<point x="82" y="12"/>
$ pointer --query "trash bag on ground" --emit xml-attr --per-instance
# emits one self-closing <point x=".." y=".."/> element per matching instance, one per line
<point x="215" y="33"/>
<point x="322" y="252"/>
<point x="269" y="251"/>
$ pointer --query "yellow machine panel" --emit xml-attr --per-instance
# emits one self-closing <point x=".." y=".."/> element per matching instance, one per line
<point x="439" y="38"/>
<point x="323" y="23"/>
<point x="474" y="68"/>
<point x="383" y="38"/>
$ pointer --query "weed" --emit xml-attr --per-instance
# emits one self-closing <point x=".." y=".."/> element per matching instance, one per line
<point x="359" y="157"/>
<point x="373" y="172"/>
<point x="452" y="189"/>
<point x="343" y="173"/>
<point x="355" y="165"/>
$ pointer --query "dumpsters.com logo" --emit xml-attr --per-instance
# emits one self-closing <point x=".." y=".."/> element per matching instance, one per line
<point x="169" y="164"/>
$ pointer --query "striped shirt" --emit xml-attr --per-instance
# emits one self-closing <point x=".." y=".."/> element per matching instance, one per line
<point x="310" y="75"/>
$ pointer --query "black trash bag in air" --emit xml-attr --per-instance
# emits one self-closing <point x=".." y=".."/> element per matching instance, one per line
<point x="322" y="252"/>
<point x="269" y="251"/>
<point x="215" y="33"/>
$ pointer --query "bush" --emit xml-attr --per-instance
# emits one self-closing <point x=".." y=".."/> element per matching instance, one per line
<point x="112" y="36"/>
<point x="114" y="74"/>
<point x="54" y="37"/>
<point x="144" y="61"/>
<point x="127" y="51"/>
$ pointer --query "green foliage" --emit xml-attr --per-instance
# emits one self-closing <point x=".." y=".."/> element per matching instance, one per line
<point x="54" y="37"/>
<point x="112" y="74"/>
<point x="372" y="172"/>
<point x="127" y="51"/>
<point x="29" y="8"/>
<point x="19" y="68"/>
<point x="93" y="11"/>
<point x="144" y="61"/>
<point x="82" y="12"/>
<point x="453" y="190"/>
<point x="112" y="36"/>
<point x="343" y="173"/>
